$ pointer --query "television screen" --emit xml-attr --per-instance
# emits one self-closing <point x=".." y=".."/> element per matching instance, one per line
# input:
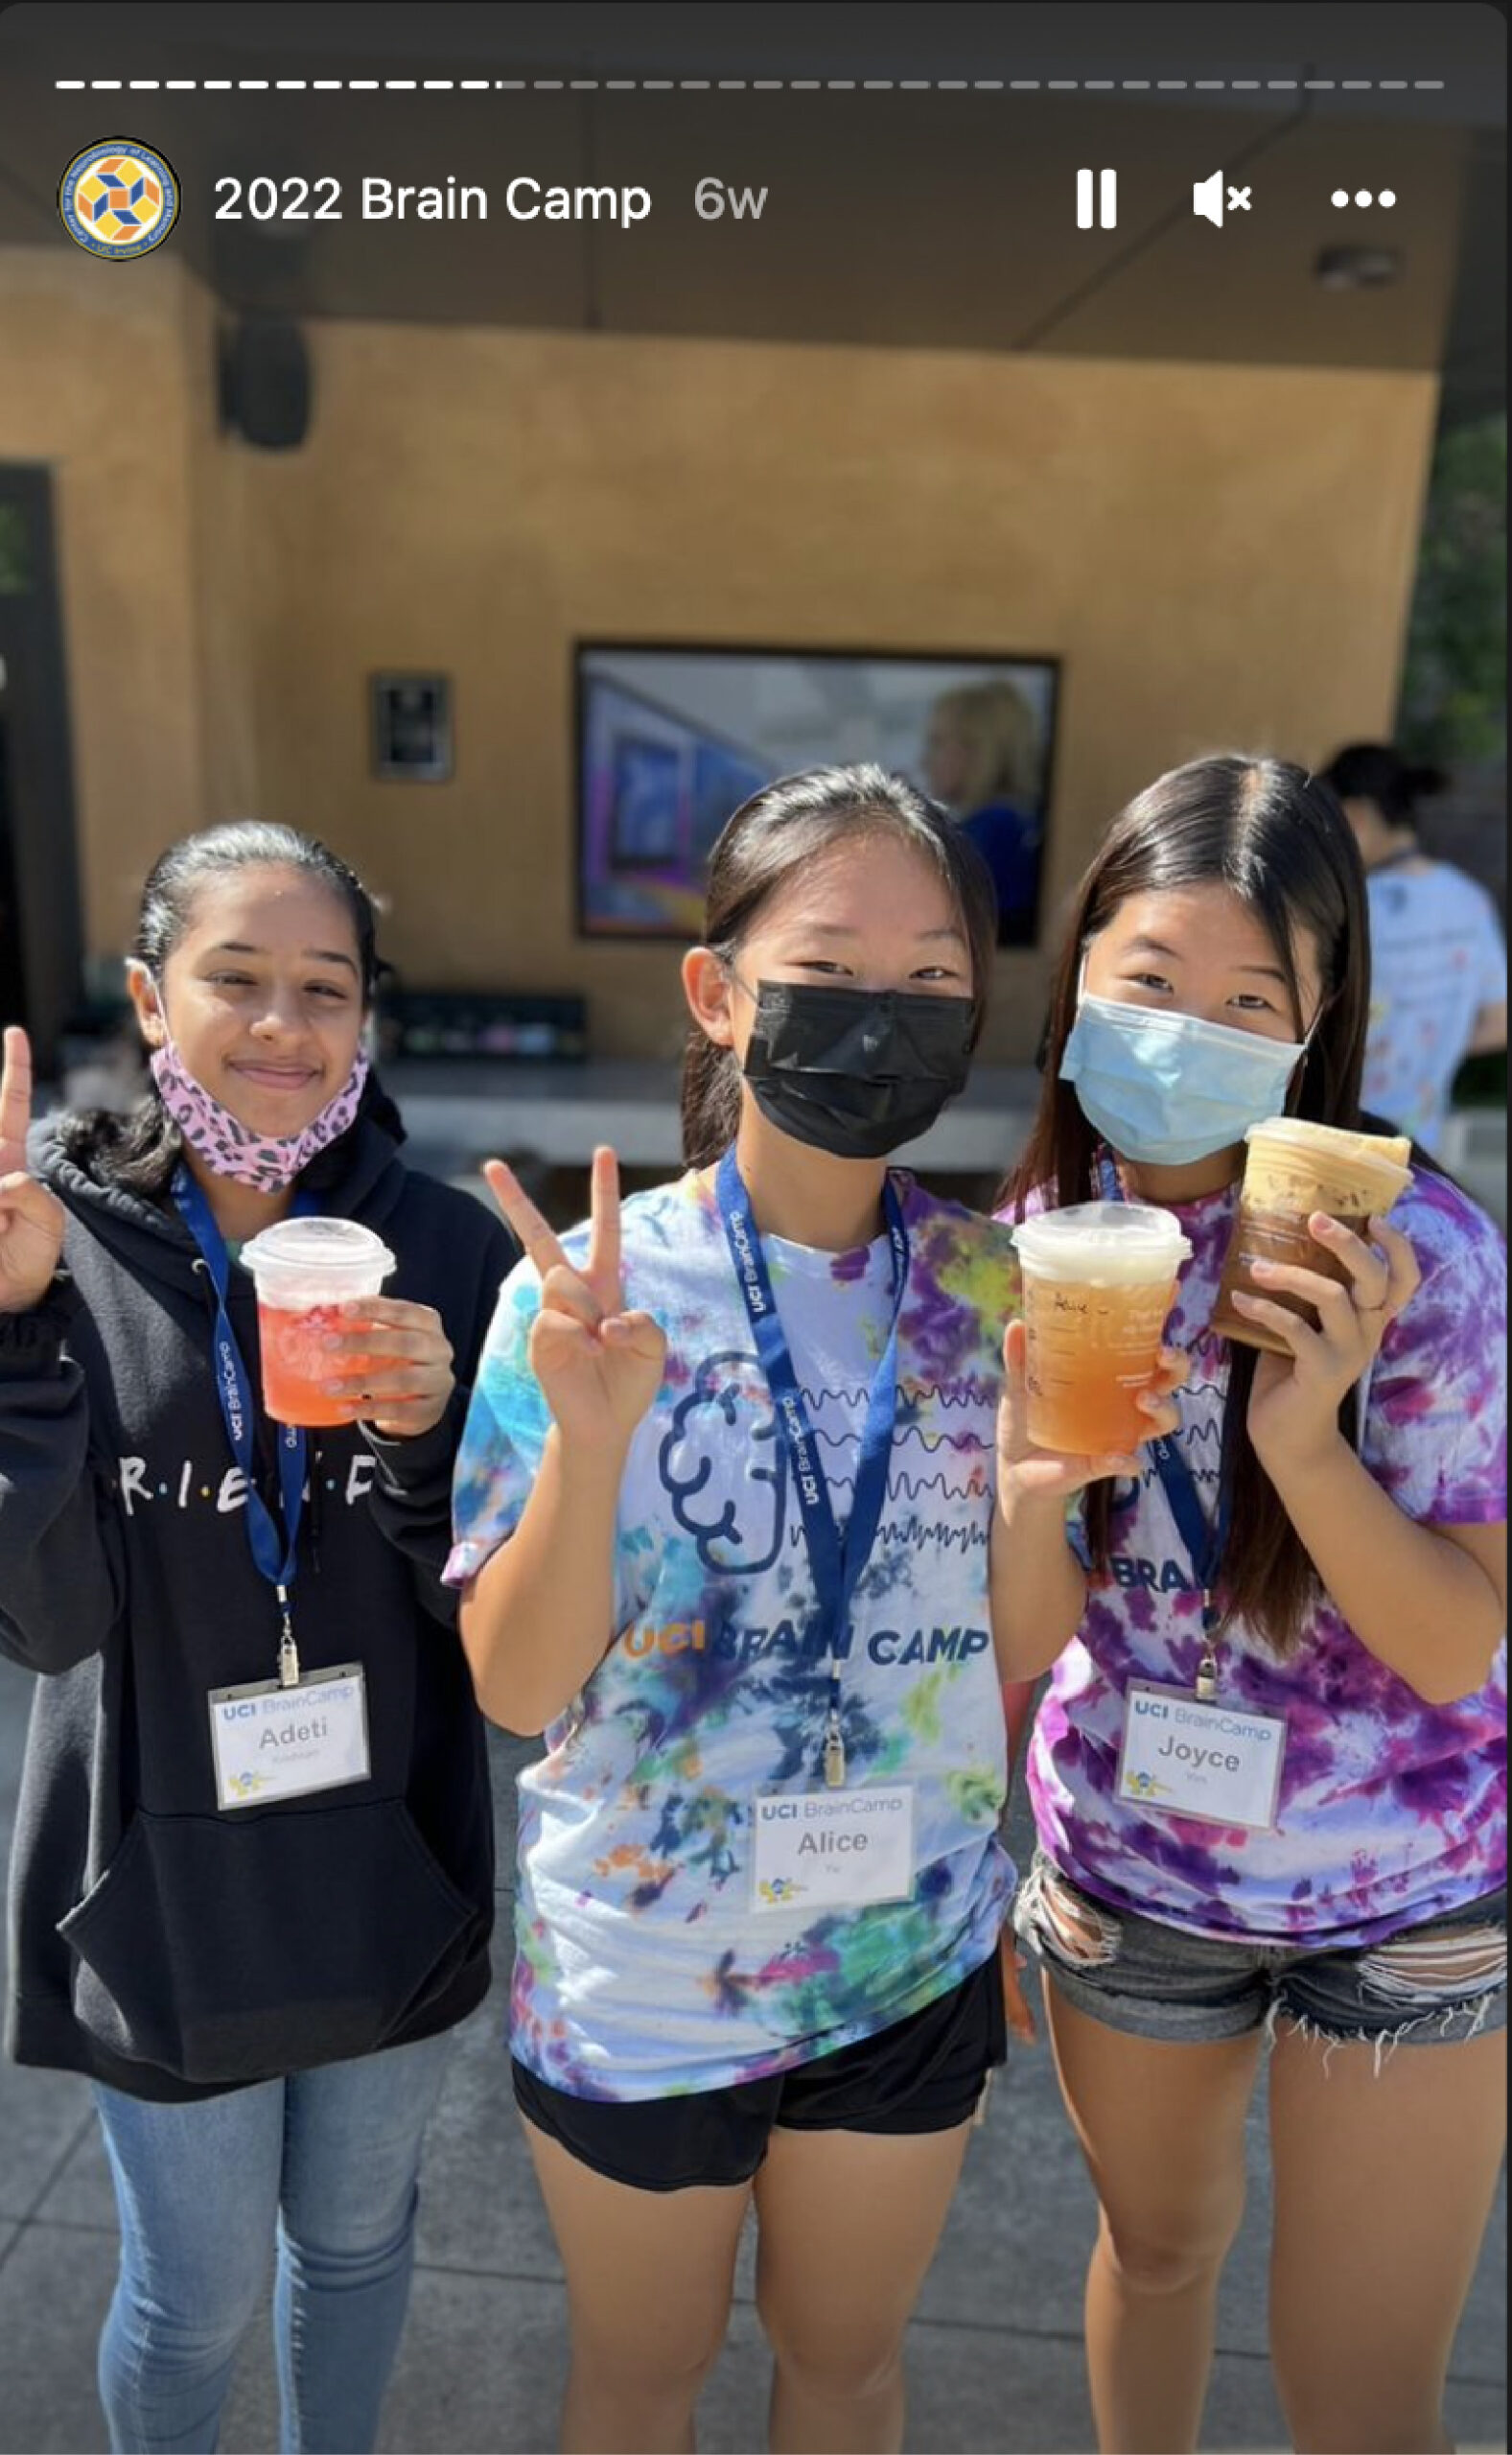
<point x="671" y="741"/>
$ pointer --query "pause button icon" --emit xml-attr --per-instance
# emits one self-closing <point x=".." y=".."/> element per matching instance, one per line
<point x="1106" y="200"/>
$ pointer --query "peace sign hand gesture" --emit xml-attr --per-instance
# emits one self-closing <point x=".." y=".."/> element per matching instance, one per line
<point x="599" y="1367"/>
<point x="31" y="1218"/>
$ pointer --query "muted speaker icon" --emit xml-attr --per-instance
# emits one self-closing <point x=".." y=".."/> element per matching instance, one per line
<point x="1207" y="198"/>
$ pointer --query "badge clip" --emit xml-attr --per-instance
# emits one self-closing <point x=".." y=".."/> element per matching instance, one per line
<point x="834" y="1754"/>
<point x="287" y="1651"/>
<point x="1207" y="1683"/>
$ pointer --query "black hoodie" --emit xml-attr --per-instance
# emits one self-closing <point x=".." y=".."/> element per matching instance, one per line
<point x="161" y="1944"/>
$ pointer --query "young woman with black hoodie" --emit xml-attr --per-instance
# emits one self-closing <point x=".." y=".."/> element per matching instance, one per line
<point x="261" y="1991"/>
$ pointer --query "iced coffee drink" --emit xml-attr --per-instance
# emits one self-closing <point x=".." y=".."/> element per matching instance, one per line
<point x="1292" y="1169"/>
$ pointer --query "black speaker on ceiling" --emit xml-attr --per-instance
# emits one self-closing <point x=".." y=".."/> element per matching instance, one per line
<point x="264" y="381"/>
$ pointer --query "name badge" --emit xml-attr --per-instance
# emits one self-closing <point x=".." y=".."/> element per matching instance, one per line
<point x="273" y="1742"/>
<point x="1215" y="1762"/>
<point x="819" y="1850"/>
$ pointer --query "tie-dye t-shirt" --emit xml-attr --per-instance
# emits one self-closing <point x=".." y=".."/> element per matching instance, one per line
<point x="641" y="1970"/>
<point x="1390" y="1810"/>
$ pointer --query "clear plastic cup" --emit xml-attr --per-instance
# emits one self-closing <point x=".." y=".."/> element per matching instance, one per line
<point x="1100" y="1279"/>
<point x="304" y="1269"/>
<point x="1293" y="1168"/>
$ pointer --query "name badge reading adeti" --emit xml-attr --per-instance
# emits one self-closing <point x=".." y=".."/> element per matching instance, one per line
<point x="1213" y="1762"/>
<point x="819" y="1850"/>
<point x="273" y="1742"/>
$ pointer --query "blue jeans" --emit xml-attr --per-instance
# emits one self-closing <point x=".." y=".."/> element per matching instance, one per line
<point x="329" y="2159"/>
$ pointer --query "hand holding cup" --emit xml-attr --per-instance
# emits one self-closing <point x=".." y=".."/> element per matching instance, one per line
<point x="389" y="1365"/>
<point x="1323" y="1329"/>
<point x="1032" y="1473"/>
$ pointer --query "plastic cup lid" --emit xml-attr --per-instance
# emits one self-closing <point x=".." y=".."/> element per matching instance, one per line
<point x="1333" y="1146"/>
<point x="1305" y="1136"/>
<point x="339" y="1249"/>
<point x="1128" y="1241"/>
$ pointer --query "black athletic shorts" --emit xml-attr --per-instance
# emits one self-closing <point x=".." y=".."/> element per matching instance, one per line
<point x="925" y="2073"/>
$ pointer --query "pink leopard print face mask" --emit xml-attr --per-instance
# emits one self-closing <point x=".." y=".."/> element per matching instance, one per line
<point x="230" y="1148"/>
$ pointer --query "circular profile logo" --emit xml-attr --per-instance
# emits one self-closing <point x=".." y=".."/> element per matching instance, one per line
<point x="119" y="200"/>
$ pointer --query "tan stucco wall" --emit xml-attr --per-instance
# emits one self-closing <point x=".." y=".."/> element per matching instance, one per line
<point x="93" y="382"/>
<point x="1220" y="555"/>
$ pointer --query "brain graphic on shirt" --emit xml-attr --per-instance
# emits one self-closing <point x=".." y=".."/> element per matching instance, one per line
<point x="722" y="1466"/>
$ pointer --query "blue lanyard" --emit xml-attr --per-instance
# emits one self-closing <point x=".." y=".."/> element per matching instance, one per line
<point x="835" y="1561"/>
<point x="274" y="1560"/>
<point x="1206" y="1540"/>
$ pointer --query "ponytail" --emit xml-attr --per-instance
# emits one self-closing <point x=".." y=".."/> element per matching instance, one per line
<point x="138" y="1151"/>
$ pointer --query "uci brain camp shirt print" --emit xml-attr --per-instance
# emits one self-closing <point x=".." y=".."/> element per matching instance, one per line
<point x="635" y="1913"/>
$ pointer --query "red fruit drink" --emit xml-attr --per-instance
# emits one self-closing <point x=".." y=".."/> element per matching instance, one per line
<point x="297" y="1363"/>
<point x="306" y="1270"/>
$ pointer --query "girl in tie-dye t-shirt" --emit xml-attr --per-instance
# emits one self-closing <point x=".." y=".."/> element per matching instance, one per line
<point x="1315" y="1854"/>
<point x="760" y="1884"/>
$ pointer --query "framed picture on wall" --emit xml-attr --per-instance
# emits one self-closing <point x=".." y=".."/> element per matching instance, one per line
<point x="671" y="740"/>
<point x="411" y="720"/>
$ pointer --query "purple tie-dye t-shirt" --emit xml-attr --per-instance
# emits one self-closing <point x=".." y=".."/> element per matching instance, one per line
<point x="1390" y="1810"/>
<point x="641" y="1968"/>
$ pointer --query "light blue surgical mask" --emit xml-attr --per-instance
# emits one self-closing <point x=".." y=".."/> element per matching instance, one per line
<point x="1166" y="1089"/>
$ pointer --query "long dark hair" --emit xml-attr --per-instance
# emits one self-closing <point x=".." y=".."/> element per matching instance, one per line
<point x="1278" y="839"/>
<point x="772" y="838"/>
<point x="1369" y="771"/>
<point x="140" y="1151"/>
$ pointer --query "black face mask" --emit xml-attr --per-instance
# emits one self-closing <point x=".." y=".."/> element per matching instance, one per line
<point x="853" y="1071"/>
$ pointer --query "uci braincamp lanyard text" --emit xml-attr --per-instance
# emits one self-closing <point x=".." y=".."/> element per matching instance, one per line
<point x="274" y="1560"/>
<point x="835" y="1561"/>
<point x="1206" y="1540"/>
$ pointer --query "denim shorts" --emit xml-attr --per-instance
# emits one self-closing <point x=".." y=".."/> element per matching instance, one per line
<point x="1433" y="1984"/>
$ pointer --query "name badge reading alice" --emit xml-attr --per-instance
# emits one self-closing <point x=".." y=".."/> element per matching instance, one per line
<point x="819" y="1850"/>
<point x="1216" y="1763"/>
<point x="272" y="1743"/>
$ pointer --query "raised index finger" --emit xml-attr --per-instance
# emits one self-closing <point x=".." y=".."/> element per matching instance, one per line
<point x="534" y="1231"/>
<point x="16" y="1088"/>
<point x="603" y="1245"/>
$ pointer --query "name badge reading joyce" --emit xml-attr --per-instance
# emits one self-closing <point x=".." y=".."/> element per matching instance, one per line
<point x="1212" y="1761"/>
<point x="819" y="1850"/>
<point x="273" y="1742"/>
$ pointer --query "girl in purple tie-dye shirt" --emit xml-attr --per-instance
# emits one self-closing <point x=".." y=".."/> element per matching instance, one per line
<point x="1317" y="1858"/>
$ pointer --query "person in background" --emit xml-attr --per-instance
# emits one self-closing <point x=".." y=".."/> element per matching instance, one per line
<point x="1438" y="956"/>
<point x="258" y="1969"/>
<point x="982" y="759"/>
